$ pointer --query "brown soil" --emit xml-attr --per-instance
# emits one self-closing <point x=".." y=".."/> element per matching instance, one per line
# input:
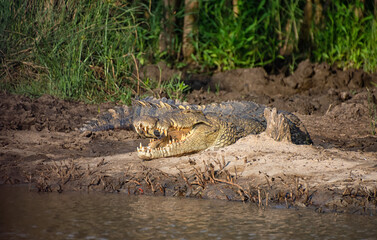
<point x="40" y="144"/>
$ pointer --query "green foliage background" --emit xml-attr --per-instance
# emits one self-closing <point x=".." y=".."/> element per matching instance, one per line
<point x="90" y="50"/>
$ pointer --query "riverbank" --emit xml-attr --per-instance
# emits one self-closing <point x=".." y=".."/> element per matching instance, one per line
<point x="40" y="145"/>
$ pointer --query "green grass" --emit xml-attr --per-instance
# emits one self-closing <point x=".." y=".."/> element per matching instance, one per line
<point x="226" y="41"/>
<point x="83" y="50"/>
<point x="345" y="39"/>
<point x="90" y="50"/>
<point x="174" y="88"/>
<point x="257" y="36"/>
<point x="253" y="38"/>
<point x="71" y="44"/>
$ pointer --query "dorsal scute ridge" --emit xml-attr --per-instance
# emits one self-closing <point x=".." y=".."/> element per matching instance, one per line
<point x="160" y="103"/>
<point x="228" y="107"/>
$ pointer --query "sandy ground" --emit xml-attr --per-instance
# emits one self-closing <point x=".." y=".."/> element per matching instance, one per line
<point x="40" y="144"/>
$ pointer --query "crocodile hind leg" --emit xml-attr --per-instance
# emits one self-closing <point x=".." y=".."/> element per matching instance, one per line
<point x="284" y="126"/>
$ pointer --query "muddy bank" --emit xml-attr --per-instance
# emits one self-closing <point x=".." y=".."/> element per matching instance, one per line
<point x="39" y="144"/>
<point x="311" y="89"/>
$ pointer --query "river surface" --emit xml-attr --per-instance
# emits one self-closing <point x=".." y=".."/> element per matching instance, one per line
<point x="31" y="215"/>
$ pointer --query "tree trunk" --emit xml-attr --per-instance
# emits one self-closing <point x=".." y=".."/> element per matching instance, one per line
<point x="236" y="10"/>
<point x="189" y="29"/>
<point x="306" y="25"/>
<point x="318" y="16"/>
<point x="358" y="11"/>
<point x="167" y="25"/>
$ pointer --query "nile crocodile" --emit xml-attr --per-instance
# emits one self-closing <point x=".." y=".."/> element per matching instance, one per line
<point x="177" y="128"/>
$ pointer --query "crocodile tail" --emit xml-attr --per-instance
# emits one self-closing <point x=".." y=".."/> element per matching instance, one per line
<point x="115" y="118"/>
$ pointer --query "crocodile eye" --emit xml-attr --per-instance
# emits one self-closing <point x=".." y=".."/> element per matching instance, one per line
<point x="157" y="133"/>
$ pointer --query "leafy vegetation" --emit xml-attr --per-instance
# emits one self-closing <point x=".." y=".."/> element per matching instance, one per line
<point x="92" y="50"/>
<point x="249" y="39"/>
<point x="80" y="49"/>
<point x="346" y="39"/>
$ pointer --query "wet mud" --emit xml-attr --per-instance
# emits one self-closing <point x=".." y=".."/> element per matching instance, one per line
<point x="40" y="145"/>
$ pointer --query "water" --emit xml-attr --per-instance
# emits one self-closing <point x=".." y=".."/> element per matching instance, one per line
<point x="30" y="215"/>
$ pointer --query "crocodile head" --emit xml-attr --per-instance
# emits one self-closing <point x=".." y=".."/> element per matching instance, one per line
<point x="176" y="133"/>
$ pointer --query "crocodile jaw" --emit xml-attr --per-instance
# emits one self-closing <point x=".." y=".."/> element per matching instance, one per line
<point x="199" y="138"/>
